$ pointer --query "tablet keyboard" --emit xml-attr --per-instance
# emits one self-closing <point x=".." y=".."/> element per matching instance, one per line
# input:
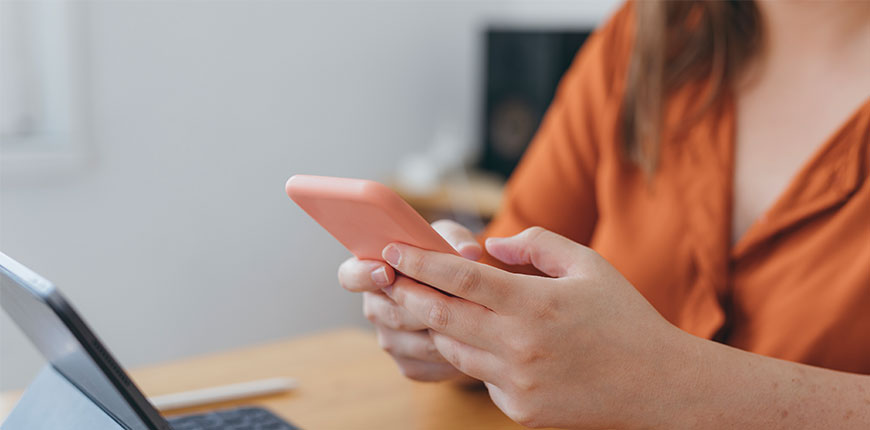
<point x="231" y="419"/>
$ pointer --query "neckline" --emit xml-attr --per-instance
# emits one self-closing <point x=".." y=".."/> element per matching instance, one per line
<point x="756" y="230"/>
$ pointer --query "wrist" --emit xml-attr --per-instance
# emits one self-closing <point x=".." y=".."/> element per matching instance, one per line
<point x="716" y="386"/>
<point x="677" y="393"/>
<point x="692" y="382"/>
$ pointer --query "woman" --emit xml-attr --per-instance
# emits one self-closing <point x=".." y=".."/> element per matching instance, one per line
<point x="715" y="155"/>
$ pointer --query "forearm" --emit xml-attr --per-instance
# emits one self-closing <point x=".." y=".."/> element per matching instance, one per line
<point x="738" y="389"/>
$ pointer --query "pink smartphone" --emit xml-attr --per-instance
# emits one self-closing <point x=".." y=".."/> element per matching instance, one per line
<point x="364" y="216"/>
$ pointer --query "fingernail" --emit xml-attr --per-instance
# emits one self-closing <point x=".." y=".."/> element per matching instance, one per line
<point x="470" y="249"/>
<point x="379" y="276"/>
<point x="392" y="255"/>
<point x="388" y="291"/>
<point x="464" y="245"/>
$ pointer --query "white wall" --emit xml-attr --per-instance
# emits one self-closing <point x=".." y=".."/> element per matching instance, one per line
<point x="177" y="238"/>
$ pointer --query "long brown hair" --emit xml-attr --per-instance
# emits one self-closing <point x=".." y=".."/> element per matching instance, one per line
<point x="677" y="42"/>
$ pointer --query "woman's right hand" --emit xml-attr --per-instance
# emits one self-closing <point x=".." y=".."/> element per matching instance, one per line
<point x="399" y="333"/>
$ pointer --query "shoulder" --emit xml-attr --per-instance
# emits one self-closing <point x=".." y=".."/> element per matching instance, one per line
<point x="589" y="99"/>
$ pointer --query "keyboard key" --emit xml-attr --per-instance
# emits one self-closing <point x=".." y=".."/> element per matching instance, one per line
<point x="246" y="418"/>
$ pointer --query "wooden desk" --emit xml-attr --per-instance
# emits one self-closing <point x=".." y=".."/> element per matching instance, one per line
<point x="345" y="382"/>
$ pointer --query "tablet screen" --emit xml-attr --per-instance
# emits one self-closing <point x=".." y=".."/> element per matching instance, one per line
<point x="53" y="326"/>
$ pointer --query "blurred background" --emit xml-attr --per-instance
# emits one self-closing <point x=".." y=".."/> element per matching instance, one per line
<point x="145" y="147"/>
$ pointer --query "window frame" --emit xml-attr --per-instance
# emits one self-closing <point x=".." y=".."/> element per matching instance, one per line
<point x="59" y="144"/>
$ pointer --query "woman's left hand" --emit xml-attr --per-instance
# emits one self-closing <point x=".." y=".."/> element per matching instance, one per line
<point x="580" y="349"/>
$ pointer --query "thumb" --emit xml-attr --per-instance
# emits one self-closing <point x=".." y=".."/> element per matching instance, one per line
<point x="548" y="252"/>
<point x="459" y="237"/>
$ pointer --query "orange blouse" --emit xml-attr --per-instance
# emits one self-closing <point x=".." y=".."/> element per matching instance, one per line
<point x="796" y="286"/>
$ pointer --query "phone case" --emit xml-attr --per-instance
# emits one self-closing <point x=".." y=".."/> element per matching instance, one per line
<point x="365" y="216"/>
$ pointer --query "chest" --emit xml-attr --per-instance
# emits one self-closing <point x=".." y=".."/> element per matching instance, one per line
<point x="805" y="270"/>
<point x="779" y="128"/>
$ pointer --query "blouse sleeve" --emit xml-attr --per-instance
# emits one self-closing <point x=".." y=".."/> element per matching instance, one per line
<point x="554" y="185"/>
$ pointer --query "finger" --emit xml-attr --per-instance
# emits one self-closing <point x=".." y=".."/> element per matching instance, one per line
<point x="409" y="344"/>
<point x="471" y="361"/>
<point x="383" y="311"/>
<point x="364" y="275"/>
<point x="501" y="399"/>
<point x="425" y="371"/>
<point x="458" y="318"/>
<point x="479" y="283"/>
<point x="460" y="238"/>
<point x="549" y="252"/>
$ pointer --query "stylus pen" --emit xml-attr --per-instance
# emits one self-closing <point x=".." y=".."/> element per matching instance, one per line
<point x="222" y="393"/>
